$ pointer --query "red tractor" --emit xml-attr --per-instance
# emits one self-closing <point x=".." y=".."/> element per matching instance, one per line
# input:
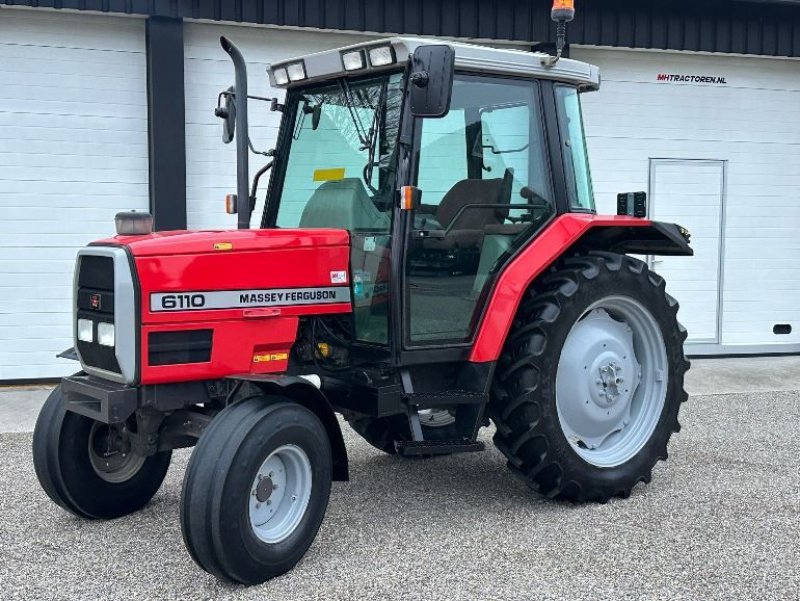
<point x="429" y="262"/>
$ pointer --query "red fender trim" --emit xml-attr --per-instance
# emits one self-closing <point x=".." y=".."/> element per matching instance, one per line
<point x="549" y="245"/>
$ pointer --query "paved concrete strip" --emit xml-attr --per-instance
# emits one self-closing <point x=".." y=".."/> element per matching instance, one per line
<point x="20" y="406"/>
<point x="719" y="521"/>
<point x="743" y="374"/>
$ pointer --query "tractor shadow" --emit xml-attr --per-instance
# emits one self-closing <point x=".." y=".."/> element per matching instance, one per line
<point x="386" y="484"/>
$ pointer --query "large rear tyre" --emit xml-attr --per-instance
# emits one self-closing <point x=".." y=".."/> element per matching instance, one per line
<point x="383" y="432"/>
<point x="256" y="489"/>
<point x="88" y="467"/>
<point x="590" y="380"/>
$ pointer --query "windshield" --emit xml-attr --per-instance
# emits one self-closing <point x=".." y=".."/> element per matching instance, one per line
<point x="340" y="170"/>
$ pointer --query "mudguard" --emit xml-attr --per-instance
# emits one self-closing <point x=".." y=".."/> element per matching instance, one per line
<point x="568" y="234"/>
<point x="312" y="398"/>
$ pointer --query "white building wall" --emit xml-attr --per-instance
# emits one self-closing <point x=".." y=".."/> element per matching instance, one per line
<point x="73" y="152"/>
<point x="753" y="123"/>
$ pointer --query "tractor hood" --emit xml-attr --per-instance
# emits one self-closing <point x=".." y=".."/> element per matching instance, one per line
<point x="206" y="304"/>
<point x="218" y="274"/>
<point x="183" y="242"/>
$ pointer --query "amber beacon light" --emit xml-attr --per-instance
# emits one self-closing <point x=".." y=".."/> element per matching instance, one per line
<point x="563" y="12"/>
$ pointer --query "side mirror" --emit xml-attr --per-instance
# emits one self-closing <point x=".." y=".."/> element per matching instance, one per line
<point x="431" y="80"/>
<point x="227" y="112"/>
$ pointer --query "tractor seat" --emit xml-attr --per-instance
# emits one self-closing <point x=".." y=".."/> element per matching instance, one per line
<point x="469" y="227"/>
<point x="343" y="204"/>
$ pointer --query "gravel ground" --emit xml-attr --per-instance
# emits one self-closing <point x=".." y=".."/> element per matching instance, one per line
<point x="719" y="521"/>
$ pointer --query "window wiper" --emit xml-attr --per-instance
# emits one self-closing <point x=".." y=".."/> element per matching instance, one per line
<point x="360" y="131"/>
<point x="373" y="135"/>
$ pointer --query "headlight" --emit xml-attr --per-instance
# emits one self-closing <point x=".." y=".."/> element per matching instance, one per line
<point x="380" y="56"/>
<point x="281" y="78"/>
<point x="353" y="60"/>
<point x="105" y="333"/>
<point x="85" y="330"/>
<point x="296" y="71"/>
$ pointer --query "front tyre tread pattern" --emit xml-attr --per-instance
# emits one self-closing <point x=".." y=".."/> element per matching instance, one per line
<point x="63" y="468"/>
<point x="216" y="529"/>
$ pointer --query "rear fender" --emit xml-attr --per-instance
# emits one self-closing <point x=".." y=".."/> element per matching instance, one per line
<point x="567" y="235"/>
<point x="657" y="238"/>
<point x="312" y="398"/>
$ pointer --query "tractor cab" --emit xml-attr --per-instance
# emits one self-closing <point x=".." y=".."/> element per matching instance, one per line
<point x="487" y="145"/>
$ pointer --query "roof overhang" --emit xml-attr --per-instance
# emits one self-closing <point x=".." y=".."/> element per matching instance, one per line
<point x="327" y="65"/>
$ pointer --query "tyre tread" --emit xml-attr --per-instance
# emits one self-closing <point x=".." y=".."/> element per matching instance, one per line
<point x="517" y="394"/>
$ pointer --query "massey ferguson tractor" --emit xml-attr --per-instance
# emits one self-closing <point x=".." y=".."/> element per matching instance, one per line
<point x="428" y="262"/>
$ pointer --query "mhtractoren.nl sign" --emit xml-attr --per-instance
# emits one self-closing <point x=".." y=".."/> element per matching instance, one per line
<point x="673" y="78"/>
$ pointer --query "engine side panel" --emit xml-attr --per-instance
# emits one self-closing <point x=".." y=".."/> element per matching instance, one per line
<point x="248" y="272"/>
<point x="230" y="303"/>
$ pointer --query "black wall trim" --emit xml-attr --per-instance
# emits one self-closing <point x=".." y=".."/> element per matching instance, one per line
<point x="166" y="122"/>
<point x="766" y="27"/>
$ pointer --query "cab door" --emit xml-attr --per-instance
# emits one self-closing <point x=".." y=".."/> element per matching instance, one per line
<point x="486" y="190"/>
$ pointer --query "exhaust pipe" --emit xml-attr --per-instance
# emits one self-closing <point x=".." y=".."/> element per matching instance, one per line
<point x="242" y="133"/>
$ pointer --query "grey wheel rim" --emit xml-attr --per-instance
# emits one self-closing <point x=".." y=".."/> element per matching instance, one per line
<point x="611" y="383"/>
<point x="110" y="453"/>
<point x="280" y="493"/>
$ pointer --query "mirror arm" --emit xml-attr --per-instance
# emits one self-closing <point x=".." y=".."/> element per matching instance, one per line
<point x="256" y="179"/>
<point x="242" y="138"/>
<point x="264" y="153"/>
<point x="420" y="79"/>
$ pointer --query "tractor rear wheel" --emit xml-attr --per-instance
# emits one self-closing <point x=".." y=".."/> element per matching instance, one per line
<point x="590" y="380"/>
<point x="383" y="432"/>
<point x="88" y="467"/>
<point x="256" y="489"/>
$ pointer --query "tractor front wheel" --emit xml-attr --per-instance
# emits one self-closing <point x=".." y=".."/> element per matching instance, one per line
<point x="88" y="467"/>
<point x="256" y="489"/>
<point x="590" y="380"/>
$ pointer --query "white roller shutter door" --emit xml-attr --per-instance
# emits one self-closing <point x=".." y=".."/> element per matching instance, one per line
<point x="73" y="152"/>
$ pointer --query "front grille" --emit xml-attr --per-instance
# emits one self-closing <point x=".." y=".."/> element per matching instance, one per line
<point x="184" y="346"/>
<point x="95" y="301"/>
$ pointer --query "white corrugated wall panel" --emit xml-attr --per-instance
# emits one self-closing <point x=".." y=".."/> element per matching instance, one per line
<point x="73" y="152"/>
<point x="753" y="123"/>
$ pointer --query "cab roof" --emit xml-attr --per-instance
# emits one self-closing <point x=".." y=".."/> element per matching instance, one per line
<point x="328" y="64"/>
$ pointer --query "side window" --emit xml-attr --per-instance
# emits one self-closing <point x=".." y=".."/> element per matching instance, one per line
<point x="576" y="157"/>
<point x="505" y="143"/>
<point x="485" y="184"/>
<point x="444" y="147"/>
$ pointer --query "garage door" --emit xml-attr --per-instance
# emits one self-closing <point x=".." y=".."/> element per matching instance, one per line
<point x="73" y="148"/>
<point x="210" y="165"/>
<point x="691" y="193"/>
